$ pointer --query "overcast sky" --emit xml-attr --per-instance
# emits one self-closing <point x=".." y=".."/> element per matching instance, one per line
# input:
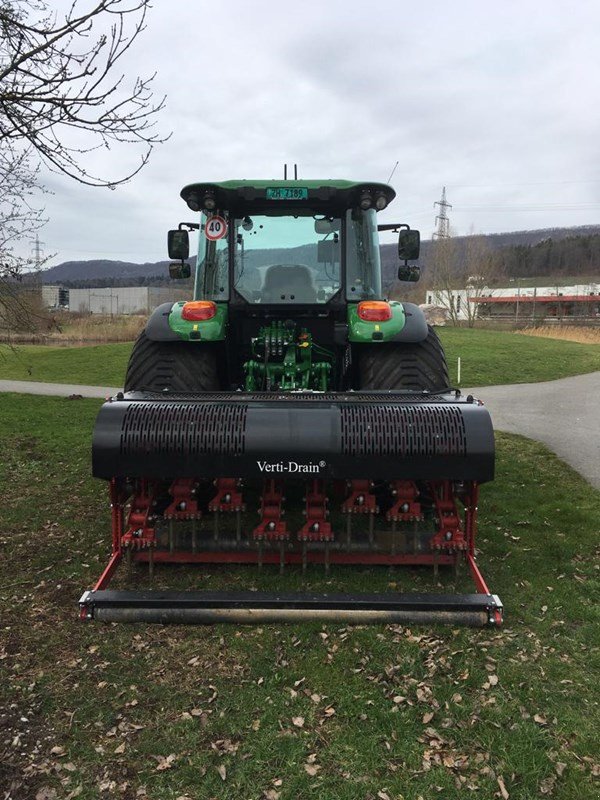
<point x="497" y="102"/>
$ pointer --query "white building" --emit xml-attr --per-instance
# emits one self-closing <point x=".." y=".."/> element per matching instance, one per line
<point x="521" y="302"/>
<point x="55" y="296"/>
<point x="123" y="299"/>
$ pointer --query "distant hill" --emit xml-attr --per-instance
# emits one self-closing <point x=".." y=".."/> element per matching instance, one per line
<point x="548" y="251"/>
<point x="101" y="269"/>
<point x="523" y="253"/>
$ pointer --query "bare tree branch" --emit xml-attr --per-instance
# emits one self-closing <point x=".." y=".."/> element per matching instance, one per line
<point x="19" y="216"/>
<point x="59" y="77"/>
<point x="461" y="271"/>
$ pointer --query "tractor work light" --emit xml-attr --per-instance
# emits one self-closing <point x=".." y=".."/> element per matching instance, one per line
<point x="366" y="201"/>
<point x="193" y="202"/>
<point x="198" y="310"/>
<point x="380" y="201"/>
<point x="209" y="201"/>
<point x="374" y="311"/>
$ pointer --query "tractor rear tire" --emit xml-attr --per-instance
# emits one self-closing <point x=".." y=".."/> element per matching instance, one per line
<point x="171" y="366"/>
<point x="397" y="365"/>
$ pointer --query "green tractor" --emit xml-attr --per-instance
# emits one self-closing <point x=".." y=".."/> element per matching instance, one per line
<point x="289" y="374"/>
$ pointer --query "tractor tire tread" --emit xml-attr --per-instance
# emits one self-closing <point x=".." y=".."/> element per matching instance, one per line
<point x="171" y="366"/>
<point x="416" y="366"/>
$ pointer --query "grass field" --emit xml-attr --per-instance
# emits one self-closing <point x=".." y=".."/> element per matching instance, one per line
<point x="97" y="365"/>
<point x="487" y="357"/>
<point x="495" y="357"/>
<point x="306" y="711"/>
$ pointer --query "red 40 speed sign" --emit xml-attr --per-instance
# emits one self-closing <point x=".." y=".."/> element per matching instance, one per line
<point x="216" y="228"/>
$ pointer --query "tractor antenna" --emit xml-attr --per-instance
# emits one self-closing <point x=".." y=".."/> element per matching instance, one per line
<point x="295" y="172"/>
<point x="285" y="172"/>
<point x="392" y="172"/>
<point x="442" y="230"/>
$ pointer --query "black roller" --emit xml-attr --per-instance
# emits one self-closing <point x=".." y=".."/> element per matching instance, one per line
<point x="378" y="435"/>
<point x="185" y="608"/>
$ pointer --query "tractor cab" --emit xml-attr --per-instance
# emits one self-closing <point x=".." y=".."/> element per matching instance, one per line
<point x="303" y="243"/>
<point x="303" y="255"/>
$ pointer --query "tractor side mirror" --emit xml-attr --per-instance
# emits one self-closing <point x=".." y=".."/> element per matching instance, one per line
<point x="409" y="272"/>
<point x="178" y="243"/>
<point x="179" y="271"/>
<point x="409" y="244"/>
<point x="328" y="251"/>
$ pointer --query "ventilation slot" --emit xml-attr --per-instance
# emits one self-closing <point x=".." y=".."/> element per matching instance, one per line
<point x="183" y="429"/>
<point x="403" y="431"/>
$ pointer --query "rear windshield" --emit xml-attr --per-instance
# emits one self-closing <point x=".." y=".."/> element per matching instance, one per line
<point x="287" y="259"/>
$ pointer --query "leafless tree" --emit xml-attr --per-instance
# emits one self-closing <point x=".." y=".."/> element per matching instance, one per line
<point x="63" y="97"/>
<point x="442" y="279"/>
<point x="59" y="78"/>
<point x="20" y="218"/>
<point x="462" y="270"/>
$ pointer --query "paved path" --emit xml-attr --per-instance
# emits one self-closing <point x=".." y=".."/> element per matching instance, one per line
<point x="57" y="389"/>
<point x="563" y="414"/>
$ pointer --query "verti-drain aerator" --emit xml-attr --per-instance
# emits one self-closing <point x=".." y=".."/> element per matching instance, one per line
<point x="290" y="386"/>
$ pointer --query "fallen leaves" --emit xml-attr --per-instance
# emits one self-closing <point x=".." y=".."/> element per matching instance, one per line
<point x="225" y="746"/>
<point x="165" y="762"/>
<point x="222" y="770"/>
<point x="46" y="793"/>
<point x="311" y="767"/>
<point x="298" y="722"/>
<point x="548" y="785"/>
<point x="503" y="791"/>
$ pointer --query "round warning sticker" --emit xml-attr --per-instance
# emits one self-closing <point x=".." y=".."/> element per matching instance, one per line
<point x="216" y="228"/>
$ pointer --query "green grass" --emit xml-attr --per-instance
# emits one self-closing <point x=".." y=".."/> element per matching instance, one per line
<point x="495" y="357"/>
<point x="487" y="357"/>
<point x="115" y="700"/>
<point x="96" y="365"/>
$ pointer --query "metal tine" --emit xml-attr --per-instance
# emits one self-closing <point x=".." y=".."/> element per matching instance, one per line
<point x="348" y="530"/>
<point x="238" y="526"/>
<point x="415" y="536"/>
<point x="171" y="537"/>
<point x="371" y="528"/>
<point x="281" y="556"/>
<point x="216" y="526"/>
<point x="129" y="561"/>
<point x="327" y="557"/>
<point x="435" y="564"/>
<point x="194" y="537"/>
<point x="151" y="562"/>
<point x="456" y="566"/>
<point x="260" y="554"/>
<point x="303" y="558"/>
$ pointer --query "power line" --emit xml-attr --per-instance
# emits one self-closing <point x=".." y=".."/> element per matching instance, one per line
<point x="392" y="172"/>
<point x="36" y="251"/>
<point x="442" y="222"/>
